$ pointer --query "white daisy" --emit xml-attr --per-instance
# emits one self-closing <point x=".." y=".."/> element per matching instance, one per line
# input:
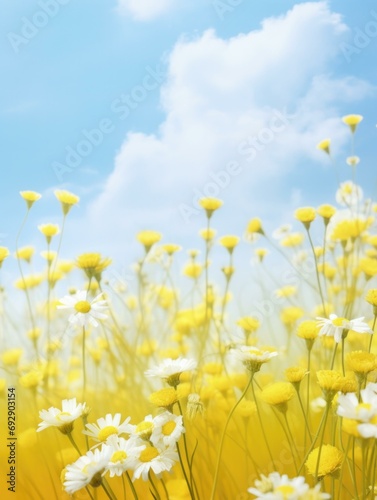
<point x="158" y="461"/>
<point x="350" y="407"/>
<point x="280" y="487"/>
<point x="88" y="469"/>
<point x="253" y="357"/>
<point x="168" y="428"/>
<point x="108" y="426"/>
<point x="364" y="411"/>
<point x="334" y="326"/>
<point x="84" y="313"/>
<point x="125" y="454"/>
<point x="171" y="369"/>
<point x="144" y="429"/>
<point x="349" y="194"/>
<point x="62" y="419"/>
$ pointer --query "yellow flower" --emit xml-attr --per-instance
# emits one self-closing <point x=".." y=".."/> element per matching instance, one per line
<point x="93" y="264"/>
<point x="326" y="211"/>
<point x="229" y="242"/>
<point x="210" y="205"/>
<point x="171" y="248"/>
<point x="290" y="315"/>
<point x="246" y="408"/>
<point x="148" y="238"/>
<point x="278" y="394"/>
<point x="368" y="266"/>
<point x="350" y="427"/>
<point x="306" y="215"/>
<point x="248" y="324"/>
<point x="66" y="199"/>
<point x="164" y="398"/>
<point x="228" y="271"/>
<point x="371" y="297"/>
<point x="330" y="382"/>
<point x="361" y="362"/>
<point x="295" y="374"/>
<point x="65" y="266"/>
<point x="49" y="231"/>
<point x="25" y="253"/>
<point x="28" y="282"/>
<point x="261" y="253"/>
<point x="207" y="234"/>
<point x="254" y="226"/>
<point x="4" y="252"/>
<point x="32" y="379"/>
<point x="286" y="291"/>
<point x="324" y="145"/>
<point x="348" y="383"/>
<point x="49" y="255"/>
<point x="34" y="334"/>
<point x="30" y="197"/>
<point x="329" y="463"/>
<point x="11" y="356"/>
<point x="352" y="121"/>
<point x="193" y="270"/>
<point x="292" y="240"/>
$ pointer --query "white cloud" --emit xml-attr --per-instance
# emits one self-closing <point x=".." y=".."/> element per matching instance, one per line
<point x="220" y="94"/>
<point x="145" y="10"/>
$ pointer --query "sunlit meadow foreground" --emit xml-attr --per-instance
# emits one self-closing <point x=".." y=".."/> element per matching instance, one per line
<point x="162" y="392"/>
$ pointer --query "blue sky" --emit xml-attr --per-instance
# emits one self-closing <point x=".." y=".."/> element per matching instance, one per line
<point x="216" y="79"/>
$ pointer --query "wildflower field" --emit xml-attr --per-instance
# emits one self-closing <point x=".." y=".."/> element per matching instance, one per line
<point x="160" y="391"/>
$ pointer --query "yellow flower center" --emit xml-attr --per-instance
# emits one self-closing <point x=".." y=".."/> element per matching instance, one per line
<point x="83" y="306"/>
<point x="364" y="406"/>
<point x="338" y="321"/>
<point x="285" y="490"/>
<point x="62" y="414"/>
<point x="144" y="429"/>
<point x="119" y="456"/>
<point x="106" y="432"/>
<point x="168" y="428"/>
<point x="148" y="454"/>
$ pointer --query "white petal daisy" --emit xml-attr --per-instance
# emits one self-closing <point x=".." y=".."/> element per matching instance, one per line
<point x="168" y="428"/>
<point x="364" y="411"/>
<point x="253" y="357"/>
<point x="125" y="454"/>
<point x="171" y="369"/>
<point x="335" y="326"/>
<point x="281" y="487"/>
<point x="158" y="461"/>
<point x="349" y="194"/>
<point x="62" y="419"/>
<point x="108" y="426"/>
<point x="88" y="469"/>
<point x="84" y="313"/>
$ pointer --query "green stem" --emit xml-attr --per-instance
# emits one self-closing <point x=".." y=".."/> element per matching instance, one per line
<point x="262" y="426"/>
<point x="223" y="436"/>
<point x="154" y="486"/>
<point x="69" y="435"/>
<point x="371" y="337"/>
<point x="317" y="272"/>
<point x="321" y="441"/>
<point x="131" y="486"/>
<point x="83" y="364"/>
